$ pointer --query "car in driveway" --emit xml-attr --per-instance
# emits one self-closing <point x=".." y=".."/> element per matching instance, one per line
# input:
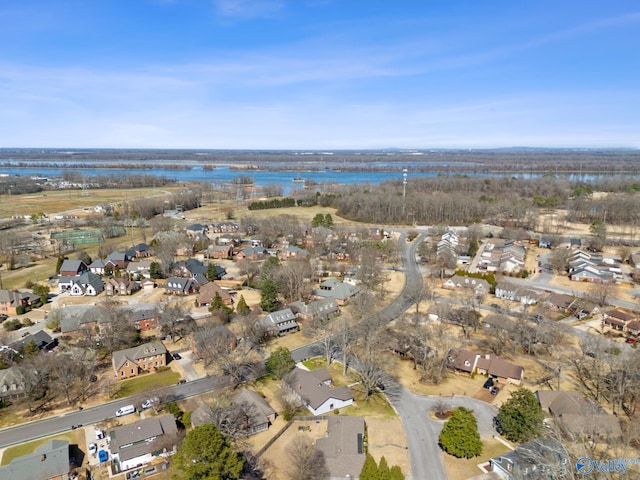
<point x="176" y="356"/>
<point x="93" y="448"/>
<point x="631" y="340"/>
<point x="494" y="390"/>
<point x="488" y="383"/>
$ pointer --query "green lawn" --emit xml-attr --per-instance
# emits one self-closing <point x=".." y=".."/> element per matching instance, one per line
<point x="26" y="448"/>
<point x="146" y="383"/>
<point x="315" y="363"/>
<point x="461" y="468"/>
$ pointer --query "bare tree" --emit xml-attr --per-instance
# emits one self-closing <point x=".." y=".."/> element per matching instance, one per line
<point x="306" y="461"/>
<point x="291" y="277"/>
<point x="174" y="319"/>
<point x="375" y="379"/>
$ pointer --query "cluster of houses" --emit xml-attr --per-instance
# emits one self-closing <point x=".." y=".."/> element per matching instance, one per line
<point x="505" y="257"/>
<point x="447" y="248"/>
<point x="593" y="267"/>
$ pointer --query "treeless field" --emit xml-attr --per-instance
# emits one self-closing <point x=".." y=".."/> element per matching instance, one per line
<point x="62" y="201"/>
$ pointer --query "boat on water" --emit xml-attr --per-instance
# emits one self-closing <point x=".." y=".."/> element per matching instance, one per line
<point x="298" y="180"/>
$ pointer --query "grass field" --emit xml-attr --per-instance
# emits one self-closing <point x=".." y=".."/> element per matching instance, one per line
<point x="146" y="383"/>
<point x="462" y="469"/>
<point x="30" y="447"/>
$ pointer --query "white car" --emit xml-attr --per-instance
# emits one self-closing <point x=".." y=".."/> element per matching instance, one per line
<point x="149" y="403"/>
<point x="93" y="449"/>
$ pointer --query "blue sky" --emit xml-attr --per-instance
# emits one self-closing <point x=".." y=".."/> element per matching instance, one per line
<point x="319" y="74"/>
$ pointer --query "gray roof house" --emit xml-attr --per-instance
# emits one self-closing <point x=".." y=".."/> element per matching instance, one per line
<point x="88" y="284"/>
<point x="12" y="383"/>
<point x="315" y="390"/>
<point x="146" y="357"/>
<point x="260" y="414"/>
<point x="280" y="322"/>
<point x="333" y="288"/>
<point x="343" y="446"/>
<point x="49" y="461"/>
<point x="71" y="268"/>
<point x="181" y="286"/>
<point x="135" y="444"/>
<point x="542" y="458"/>
<point x="327" y="307"/>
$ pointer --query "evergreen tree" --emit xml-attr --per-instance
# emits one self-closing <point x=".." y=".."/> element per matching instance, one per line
<point x="473" y="247"/>
<point x="279" y="363"/>
<point x="206" y="454"/>
<point x="369" y="469"/>
<point x="219" y="308"/>
<point x="269" y="296"/>
<point x="396" y="473"/>
<point x="31" y="349"/>
<point x="318" y="220"/>
<point x="59" y="263"/>
<point x="242" y="308"/>
<point x="521" y="416"/>
<point x="383" y="469"/>
<point x="155" y="270"/>
<point x="212" y="272"/>
<point x="459" y="436"/>
<point x="328" y="220"/>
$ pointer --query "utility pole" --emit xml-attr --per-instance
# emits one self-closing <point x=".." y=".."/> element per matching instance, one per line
<point x="404" y="190"/>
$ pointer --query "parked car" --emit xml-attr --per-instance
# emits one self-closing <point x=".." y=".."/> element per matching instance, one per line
<point x="93" y="448"/>
<point x="99" y="434"/>
<point x="73" y="427"/>
<point x="497" y="426"/>
<point x="488" y="383"/>
<point x="176" y="356"/>
<point x="631" y="340"/>
<point x="494" y="390"/>
<point x="181" y="381"/>
<point x="3" y="317"/>
<point x="149" y="403"/>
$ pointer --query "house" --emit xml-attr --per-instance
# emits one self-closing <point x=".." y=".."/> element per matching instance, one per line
<point x="145" y="319"/>
<point x="463" y="361"/>
<point x="141" y="268"/>
<point x="577" y="416"/>
<point x="77" y="319"/>
<point x="221" y="251"/>
<point x="333" y="288"/>
<point x="137" y="444"/>
<point x="293" y="252"/>
<point x="118" y="260"/>
<point x="226" y="227"/>
<point x="208" y="292"/>
<point x="317" y="309"/>
<point x="592" y="274"/>
<point x="72" y="268"/>
<point x="542" y="458"/>
<point x="97" y="267"/>
<point x="343" y="446"/>
<point x="617" y="319"/>
<point x="148" y="285"/>
<point x="143" y="358"/>
<point x="217" y="339"/>
<point x="279" y="323"/>
<point x="12" y="383"/>
<point x="252" y="253"/>
<point x="195" y="229"/>
<point x="121" y="286"/>
<point x="500" y="370"/>
<point x="479" y="286"/>
<point x="50" y="461"/>
<point x="560" y="302"/>
<point x="11" y="301"/>
<point x="525" y="296"/>
<point x="139" y="251"/>
<point x="40" y="339"/>
<point x="315" y="391"/>
<point x="88" y="284"/>
<point x="467" y="362"/>
<point x="181" y="286"/>
<point x="259" y="414"/>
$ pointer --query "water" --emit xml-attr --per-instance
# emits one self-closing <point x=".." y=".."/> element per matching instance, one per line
<point x="225" y="175"/>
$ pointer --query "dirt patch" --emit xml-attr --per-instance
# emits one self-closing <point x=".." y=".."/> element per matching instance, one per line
<point x="386" y="438"/>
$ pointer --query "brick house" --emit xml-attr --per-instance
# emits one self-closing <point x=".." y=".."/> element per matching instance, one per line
<point x="134" y="361"/>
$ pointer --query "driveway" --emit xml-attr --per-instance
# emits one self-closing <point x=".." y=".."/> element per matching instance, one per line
<point x="422" y="432"/>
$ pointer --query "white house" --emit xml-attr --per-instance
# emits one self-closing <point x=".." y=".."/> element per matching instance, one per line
<point x="316" y="392"/>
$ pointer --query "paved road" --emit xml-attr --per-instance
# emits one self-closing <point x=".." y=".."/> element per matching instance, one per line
<point x="396" y="308"/>
<point x="422" y="432"/>
<point x="61" y="423"/>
